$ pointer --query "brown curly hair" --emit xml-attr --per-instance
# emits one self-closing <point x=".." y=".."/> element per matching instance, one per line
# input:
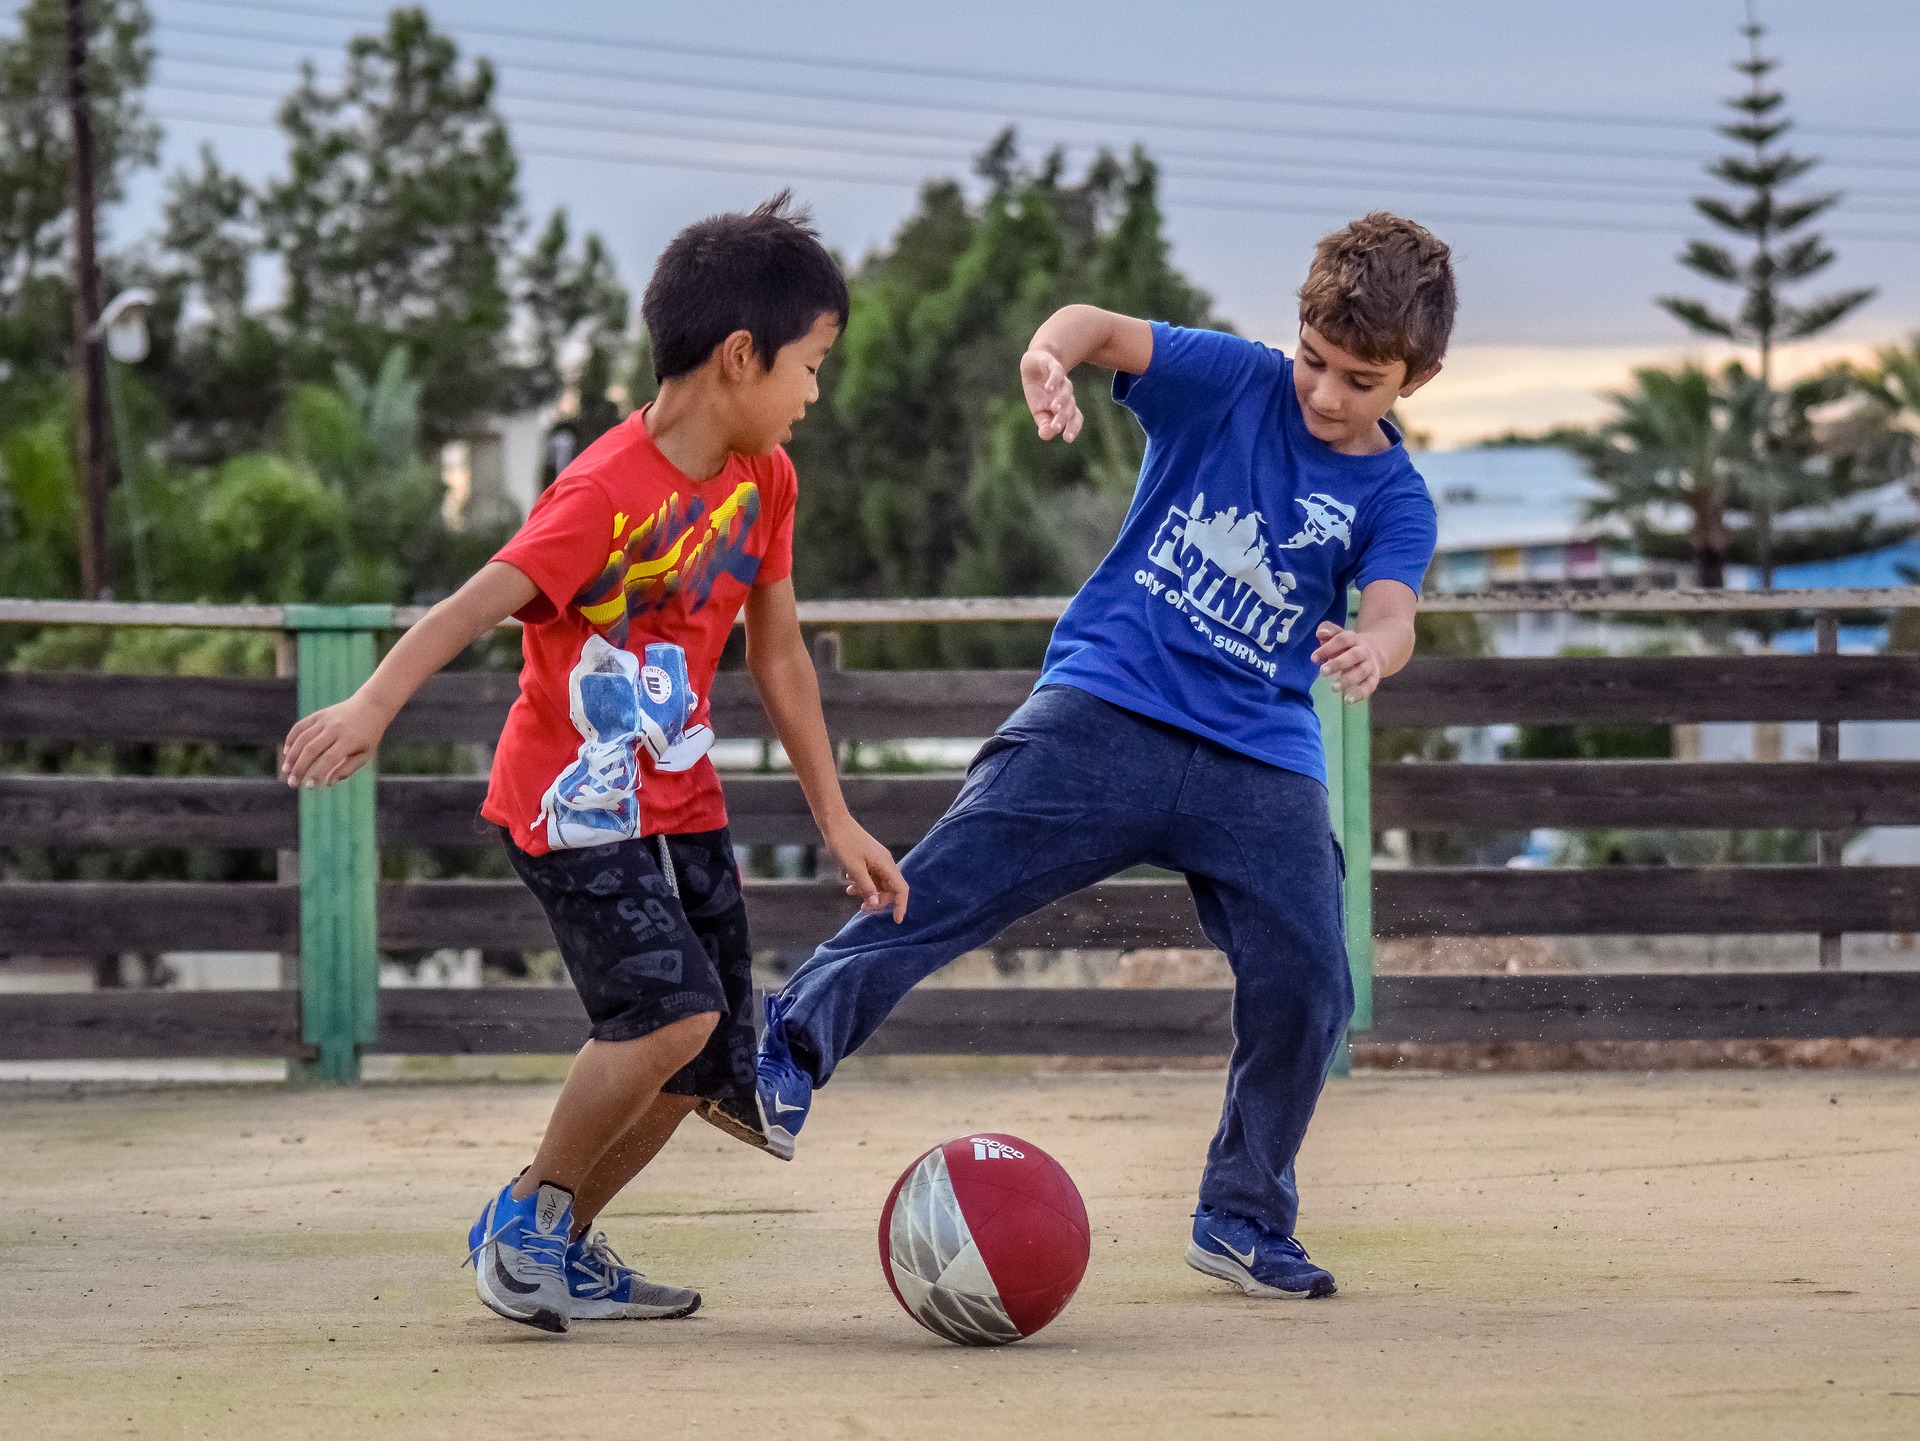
<point x="1383" y="289"/>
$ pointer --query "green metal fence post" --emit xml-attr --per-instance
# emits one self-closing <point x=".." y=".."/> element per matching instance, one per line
<point x="1348" y="741"/>
<point x="339" y="860"/>
<point x="1356" y="837"/>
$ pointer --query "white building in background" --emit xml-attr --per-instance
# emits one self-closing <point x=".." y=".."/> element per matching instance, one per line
<point x="1517" y="516"/>
<point x="494" y="474"/>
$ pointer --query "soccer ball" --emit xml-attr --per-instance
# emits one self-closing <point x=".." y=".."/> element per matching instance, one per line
<point x="984" y="1240"/>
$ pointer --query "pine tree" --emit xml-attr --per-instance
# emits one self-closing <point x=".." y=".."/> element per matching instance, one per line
<point x="576" y="311"/>
<point x="1768" y="221"/>
<point x="920" y="471"/>
<point x="396" y="220"/>
<point x="1778" y="258"/>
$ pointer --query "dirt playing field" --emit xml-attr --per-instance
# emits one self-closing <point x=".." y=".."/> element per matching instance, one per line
<point x="1695" y="1256"/>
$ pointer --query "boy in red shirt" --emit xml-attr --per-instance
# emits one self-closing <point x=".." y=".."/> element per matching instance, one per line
<point x="627" y="578"/>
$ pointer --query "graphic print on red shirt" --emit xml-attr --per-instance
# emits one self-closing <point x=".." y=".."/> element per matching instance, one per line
<point x="641" y="572"/>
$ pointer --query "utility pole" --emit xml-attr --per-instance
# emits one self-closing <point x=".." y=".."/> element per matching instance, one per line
<point x="89" y="350"/>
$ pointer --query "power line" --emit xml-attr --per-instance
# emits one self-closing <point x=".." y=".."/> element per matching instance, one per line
<point x="1330" y="178"/>
<point x="973" y="137"/>
<point x="866" y="177"/>
<point x="579" y="72"/>
<point x="1130" y="89"/>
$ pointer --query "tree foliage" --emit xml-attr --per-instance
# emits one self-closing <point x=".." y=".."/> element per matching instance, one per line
<point x="1777" y="257"/>
<point x="35" y="162"/>
<point x="1680" y="462"/>
<point x="284" y="450"/>
<point x="1706" y="466"/>
<point x="395" y="219"/>
<point x="578" y="311"/>
<point x="1892" y="385"/>
<point x="923" y="475"/>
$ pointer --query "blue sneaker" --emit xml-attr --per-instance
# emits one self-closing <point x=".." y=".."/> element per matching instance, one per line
<point x="519" y="1255"/>
<point x="605" y="1288"/>
<point x="785" y="1091"/>
<point x="1253" y="1258"/>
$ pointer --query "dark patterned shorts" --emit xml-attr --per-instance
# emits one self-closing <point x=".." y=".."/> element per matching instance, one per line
<point x="642" y="957"/>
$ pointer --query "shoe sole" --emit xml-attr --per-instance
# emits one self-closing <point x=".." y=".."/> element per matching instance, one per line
<point x="543" y="1317"/>
<point x="628" y="1311"/>
<point x="780" y="1141"/>
<point x="734" y="1127"/>
<point x="1225" y="1268"/>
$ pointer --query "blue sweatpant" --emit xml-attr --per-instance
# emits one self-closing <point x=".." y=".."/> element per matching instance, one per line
<point x="1073" y="790"/>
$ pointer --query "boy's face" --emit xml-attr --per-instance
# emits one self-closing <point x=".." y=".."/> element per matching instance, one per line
<point x="1343" y="398"/>
<point x="769" y="402"/>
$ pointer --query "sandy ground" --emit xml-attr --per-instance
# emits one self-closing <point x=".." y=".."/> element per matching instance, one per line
<point x="1692" y="1256"/>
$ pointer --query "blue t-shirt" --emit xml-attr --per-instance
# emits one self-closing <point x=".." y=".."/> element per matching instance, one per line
<point x="1244" y="534"/>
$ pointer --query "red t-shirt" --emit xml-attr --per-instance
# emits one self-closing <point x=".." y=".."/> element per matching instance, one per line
<point x="641" y="572"/>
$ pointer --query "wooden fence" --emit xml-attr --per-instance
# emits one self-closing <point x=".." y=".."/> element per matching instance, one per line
<point x="339" y="1013"/>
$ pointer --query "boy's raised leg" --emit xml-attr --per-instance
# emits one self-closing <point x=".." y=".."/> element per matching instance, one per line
<point x="1071" y="791"/>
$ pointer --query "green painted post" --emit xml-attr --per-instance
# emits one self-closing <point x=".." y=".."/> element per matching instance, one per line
<point x="1346" y="735"/>
<point x="1333" y="739"/>
<point x="1356" y="836"/>
<point x="339" y="859"/>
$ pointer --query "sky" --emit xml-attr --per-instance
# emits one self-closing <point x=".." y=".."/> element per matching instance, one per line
<point x="1552" y="145"/>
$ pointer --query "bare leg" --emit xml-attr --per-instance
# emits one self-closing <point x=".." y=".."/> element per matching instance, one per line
<point x="627" y="1157"/>
<point x="611" y="1086"/>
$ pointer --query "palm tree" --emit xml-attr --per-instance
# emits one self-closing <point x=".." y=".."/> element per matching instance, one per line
<point x="1681" y="444"/>
<point x="1893" y="384"/>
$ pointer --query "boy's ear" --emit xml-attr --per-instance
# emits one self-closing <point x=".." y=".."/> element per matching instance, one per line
<point x="738" y="356"/>
<point x="1416" y="381"/>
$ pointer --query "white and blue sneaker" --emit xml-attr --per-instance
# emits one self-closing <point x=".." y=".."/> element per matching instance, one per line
<point x="605" y="1288"/>
<point x="1253" y="1258"/>
<point x="785" y="1091"/>
<point x="519" y="1255"/>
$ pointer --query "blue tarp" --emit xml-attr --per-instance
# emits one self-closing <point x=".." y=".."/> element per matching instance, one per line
<point x="1876" y="567"/>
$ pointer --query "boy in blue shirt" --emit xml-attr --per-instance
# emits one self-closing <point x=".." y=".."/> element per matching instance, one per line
<point x="1173" y="723"/>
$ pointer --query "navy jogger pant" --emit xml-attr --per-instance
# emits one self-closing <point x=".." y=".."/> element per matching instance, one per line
<point x="1073" y="790"/>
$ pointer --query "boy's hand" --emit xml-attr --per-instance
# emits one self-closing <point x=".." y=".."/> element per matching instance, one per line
<point x="872" y="873"/>
<point x="1050" y="396"/>
<point x="331" y="744"/>
<point x="1350" y="660"/>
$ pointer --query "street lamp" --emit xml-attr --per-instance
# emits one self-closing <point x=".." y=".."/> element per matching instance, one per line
<point x="123" y="325"/>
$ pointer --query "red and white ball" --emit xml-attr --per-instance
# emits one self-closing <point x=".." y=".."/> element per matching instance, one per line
<point x="984" y="1239"/>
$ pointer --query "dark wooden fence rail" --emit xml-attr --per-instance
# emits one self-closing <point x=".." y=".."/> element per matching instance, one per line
<point x="259" y="814"/>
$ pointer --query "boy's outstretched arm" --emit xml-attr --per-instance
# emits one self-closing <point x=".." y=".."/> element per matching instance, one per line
<point x="1356" y="661"/>
<point x="1075" y="335"/>
<point x="333" y="743"/>
<point x="783" y="674"/>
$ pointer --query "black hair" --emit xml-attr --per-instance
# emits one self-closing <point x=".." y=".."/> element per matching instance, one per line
<point x="764" y="272"/>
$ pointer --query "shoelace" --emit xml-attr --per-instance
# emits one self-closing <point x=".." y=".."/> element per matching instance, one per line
<point x="602" y="1263"/>
<point x="485" y="1241"/>
<point x="551" y="1249"/>
<point x="547" y="1247"/>
<point x="609" y="767"/>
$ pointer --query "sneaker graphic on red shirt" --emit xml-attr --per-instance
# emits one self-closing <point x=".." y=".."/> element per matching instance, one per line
<point x="641" y="572"/>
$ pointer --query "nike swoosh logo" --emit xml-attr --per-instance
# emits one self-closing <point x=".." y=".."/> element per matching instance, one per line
<point x="1246" y="1260"/>
<point x="511" y="1283"/>
<point x="781" y="1108"/>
